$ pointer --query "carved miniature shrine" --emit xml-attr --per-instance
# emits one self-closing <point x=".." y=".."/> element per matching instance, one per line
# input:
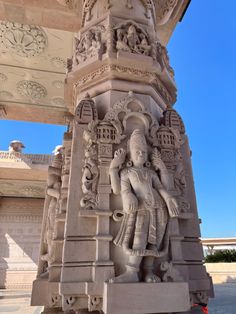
<point x="120" y="227"/>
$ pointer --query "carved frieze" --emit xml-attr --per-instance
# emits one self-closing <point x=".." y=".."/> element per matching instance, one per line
<point x="23" y="40"/>
<point x="90" y="44"/>
<point x="131" y="37"/>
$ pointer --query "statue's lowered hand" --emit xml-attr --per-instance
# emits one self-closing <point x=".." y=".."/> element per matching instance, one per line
<point x="119" y="158"/>
<point x="130" y="203"/>
<point x="172" y="206"/>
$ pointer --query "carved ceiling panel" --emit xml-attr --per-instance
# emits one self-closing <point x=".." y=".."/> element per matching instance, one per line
<point x="33" y="64"/>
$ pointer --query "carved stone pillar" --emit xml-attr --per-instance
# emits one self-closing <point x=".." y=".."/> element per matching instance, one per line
<point x="131" y="236"/>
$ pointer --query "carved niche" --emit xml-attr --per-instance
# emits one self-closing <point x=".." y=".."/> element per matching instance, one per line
<point x="146" y="203"/>
<point x="90" y="44"/>
<point x="131" y="37"/>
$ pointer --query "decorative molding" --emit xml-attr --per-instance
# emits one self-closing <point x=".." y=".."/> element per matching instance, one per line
<point x="31" y="89"/>
<point x="151" y="77"/>
<point x="23" y="40"/>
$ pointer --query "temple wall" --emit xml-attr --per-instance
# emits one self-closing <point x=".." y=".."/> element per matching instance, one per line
<point x="20" y="227"/>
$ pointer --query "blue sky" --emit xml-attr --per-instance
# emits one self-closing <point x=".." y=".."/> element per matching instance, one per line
<point x="203" y="55"/>
<point x="202" y="51"/>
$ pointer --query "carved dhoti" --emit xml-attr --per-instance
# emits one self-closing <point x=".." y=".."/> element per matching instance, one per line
<point x="143" y="227"/>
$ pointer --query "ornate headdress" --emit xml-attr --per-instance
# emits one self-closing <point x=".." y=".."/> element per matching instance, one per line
<point x="137" y="138"/>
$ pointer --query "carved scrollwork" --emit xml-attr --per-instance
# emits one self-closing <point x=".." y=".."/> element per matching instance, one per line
<point x="130" y="37"/>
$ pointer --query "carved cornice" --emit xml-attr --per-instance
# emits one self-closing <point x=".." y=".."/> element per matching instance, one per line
<point x="111" y="69"/>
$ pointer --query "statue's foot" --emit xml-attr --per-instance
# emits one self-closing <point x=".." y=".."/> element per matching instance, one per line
<point x="128" y="276"/>
<point x="151" y="278"/>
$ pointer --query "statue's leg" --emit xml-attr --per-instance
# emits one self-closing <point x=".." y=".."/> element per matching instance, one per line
<point x="148" y="263"/>
<point x="139" y="243"/>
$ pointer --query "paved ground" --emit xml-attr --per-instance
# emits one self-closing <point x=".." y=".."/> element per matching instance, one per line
<point x="18" y="302"/>
<point x="224" y="301"/>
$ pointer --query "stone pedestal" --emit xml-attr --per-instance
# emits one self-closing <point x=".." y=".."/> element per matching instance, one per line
<point x="146" y="298"/>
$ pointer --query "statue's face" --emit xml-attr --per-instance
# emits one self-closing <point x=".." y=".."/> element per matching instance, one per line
<point x="138" y="155"/>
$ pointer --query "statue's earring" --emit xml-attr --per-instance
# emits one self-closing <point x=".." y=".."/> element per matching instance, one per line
<point x="129" y="164"/>
<point x="147" y="164"/>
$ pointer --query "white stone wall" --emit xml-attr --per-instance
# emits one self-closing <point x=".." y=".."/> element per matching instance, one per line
<point x="20" y="228"/>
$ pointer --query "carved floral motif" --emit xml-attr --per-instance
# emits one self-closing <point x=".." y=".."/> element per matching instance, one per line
<point x="31" y="89"/>
<point x="23" y="40"/>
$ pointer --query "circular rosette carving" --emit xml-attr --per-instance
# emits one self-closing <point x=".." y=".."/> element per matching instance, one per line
<point x="23" y="40"/>
<point x="31" y="89"/>
<point x="3" y="78"/>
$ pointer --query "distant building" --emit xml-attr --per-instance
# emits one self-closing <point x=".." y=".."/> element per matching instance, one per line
<point x="22" y="189"/>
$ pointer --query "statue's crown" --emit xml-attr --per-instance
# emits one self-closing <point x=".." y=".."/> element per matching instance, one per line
<point x="137" y="138"/>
